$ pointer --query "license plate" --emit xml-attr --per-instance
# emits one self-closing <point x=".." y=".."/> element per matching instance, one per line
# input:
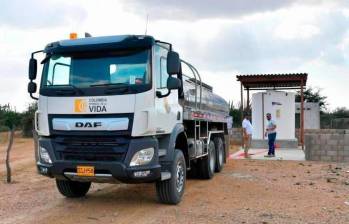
<point x="85" y="171"/>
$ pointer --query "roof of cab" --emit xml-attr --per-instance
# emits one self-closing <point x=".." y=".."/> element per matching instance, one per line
<point x="100" y="43"/>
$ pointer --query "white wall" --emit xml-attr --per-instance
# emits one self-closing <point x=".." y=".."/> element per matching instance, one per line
<point x="311" y="115"/>
<point x="281" y="106"/>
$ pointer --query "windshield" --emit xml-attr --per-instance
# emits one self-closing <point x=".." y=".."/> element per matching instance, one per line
<point x="83" y="72"/>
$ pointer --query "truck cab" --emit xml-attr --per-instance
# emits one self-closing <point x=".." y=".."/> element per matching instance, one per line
<point x="110" y="109"/>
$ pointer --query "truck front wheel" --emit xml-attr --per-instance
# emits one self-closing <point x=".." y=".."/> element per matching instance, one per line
<point x="73" y="189"/>
<point x="171" y="191"/>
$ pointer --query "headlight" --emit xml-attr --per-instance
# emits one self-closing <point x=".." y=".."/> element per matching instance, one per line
<point x="44" y="156"/>
<point x="142" y="157"/>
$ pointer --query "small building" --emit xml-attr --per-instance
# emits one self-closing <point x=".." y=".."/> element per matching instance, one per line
<point x="274" y="96"/>
<point x="280" y="105"/>
<point x="311" y="115"/>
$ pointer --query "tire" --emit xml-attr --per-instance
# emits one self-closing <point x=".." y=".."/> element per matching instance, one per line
<point x="208" y="164"/>
<point x="72" y="189"/>
<point x="218" y="143"/>
<point x="171" y="191"/>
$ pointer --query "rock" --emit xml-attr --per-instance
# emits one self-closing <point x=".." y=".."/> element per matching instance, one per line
<point x="346" y="182"/>
<point x="331" y="180"/>
<point x="301" y="164"/>
<point x="311" y="183"/>
<point x="298" y="183"/>
<point x="266" y="215"/>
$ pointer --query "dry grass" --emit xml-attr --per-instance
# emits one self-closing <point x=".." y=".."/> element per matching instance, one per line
<point x="4" y="137"/>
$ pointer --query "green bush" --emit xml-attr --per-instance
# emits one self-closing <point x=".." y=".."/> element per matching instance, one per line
<point x="27" y="120"/>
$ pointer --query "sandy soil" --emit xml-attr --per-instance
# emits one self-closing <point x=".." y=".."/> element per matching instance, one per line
<point x="246" y="191"/>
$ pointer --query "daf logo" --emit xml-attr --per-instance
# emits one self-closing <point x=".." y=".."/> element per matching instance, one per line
<point x="88" y="124"/>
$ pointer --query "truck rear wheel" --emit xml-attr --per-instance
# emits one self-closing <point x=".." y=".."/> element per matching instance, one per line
<point x="73" y="189"/>
<point x="171" y="191"/>
<point x="218" y="143"/>
<point x="207" y="165"/>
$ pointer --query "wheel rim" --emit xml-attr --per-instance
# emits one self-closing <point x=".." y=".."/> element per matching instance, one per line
<point x="180" y="176"/>
<point x="212" y="160"/>
<point x="220" y="156"/>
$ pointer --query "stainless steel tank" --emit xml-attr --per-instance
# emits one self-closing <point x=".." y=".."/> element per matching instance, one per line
<point x="209" y="101"/>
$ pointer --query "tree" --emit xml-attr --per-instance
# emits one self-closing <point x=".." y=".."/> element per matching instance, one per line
<point x="235" y="112"/>
<point x="313" y="95"/>
<point x="28" y="119"/>
<point x="341" y="112"/>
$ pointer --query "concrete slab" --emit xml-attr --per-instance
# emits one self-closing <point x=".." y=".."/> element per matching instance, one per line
<point x="281" y="143"/>
<point x="280" y="154"/>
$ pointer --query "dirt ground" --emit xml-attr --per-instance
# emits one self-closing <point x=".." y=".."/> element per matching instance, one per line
<point x="246" y="191"/>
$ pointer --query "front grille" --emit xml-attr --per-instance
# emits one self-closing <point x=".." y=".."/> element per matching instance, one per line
<point x="91" y="157"/>
<point x="91" y="149"/>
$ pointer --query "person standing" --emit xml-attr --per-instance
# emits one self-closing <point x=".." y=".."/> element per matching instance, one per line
<point x="247" y="133"/>
<point x="271" y="133"/>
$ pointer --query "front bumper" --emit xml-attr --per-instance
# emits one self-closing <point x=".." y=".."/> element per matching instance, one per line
<point x="105" y="171"/>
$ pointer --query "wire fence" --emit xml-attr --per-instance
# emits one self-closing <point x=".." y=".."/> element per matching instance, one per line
<point x="333" y="122"/>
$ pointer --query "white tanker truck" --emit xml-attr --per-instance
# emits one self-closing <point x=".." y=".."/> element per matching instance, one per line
<point x="119" y="109"/>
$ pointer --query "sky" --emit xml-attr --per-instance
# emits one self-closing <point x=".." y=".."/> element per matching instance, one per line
<point x="222" y="38"/>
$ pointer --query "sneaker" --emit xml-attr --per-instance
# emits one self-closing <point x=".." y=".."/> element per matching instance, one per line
<point x="268" y="156"/>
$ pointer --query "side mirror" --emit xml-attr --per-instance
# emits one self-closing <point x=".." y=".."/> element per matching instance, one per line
<point x="32" y="87"/>
<point x="173" y="63"/>
<point x="173" y="83"/>
<point x="32" y="68"/>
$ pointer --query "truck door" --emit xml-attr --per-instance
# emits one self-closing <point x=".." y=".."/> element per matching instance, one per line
<point x="167" y="109"/>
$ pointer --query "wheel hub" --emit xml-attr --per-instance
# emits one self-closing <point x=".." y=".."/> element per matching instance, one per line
<point x="180" y="177"/>
<point x="220" y="156"/>
<point x="212" y="160"/>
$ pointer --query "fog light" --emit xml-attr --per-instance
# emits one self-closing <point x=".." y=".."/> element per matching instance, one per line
<point x="141" y="173"/>
<point x="44" y="156"/>
<point x="142" y="157"/>
<point x="43" y="170"/>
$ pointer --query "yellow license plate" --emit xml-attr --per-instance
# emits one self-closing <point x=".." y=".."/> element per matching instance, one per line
<point x="85" y="171"/>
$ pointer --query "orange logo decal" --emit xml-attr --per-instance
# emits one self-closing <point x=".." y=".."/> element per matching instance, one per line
<point x="80" y="106"/>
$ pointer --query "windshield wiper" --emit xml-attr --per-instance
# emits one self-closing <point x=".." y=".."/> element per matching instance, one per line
<point x="109" y="84"/>
<point x="114" y="87"/>
<point x="77" y="89"/>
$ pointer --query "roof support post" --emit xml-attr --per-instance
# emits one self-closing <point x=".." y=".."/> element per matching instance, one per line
<point x="248" y="100"/>
<point x="242" y="112"/>
<point x="302" y="116"/>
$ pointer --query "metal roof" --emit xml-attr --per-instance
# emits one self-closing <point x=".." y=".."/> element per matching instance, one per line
<point x="273" y="81"/>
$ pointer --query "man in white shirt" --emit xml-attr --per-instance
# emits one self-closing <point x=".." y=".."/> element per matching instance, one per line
<point x="271" y="133"/>
<point x="247" y="133"/>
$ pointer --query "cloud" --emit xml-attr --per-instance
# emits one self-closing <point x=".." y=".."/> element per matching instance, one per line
<point x="202" y="9"/>
<point x="38" y="14"/>
<point x="255" y="46"/>
<point x="220" y="37"/>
